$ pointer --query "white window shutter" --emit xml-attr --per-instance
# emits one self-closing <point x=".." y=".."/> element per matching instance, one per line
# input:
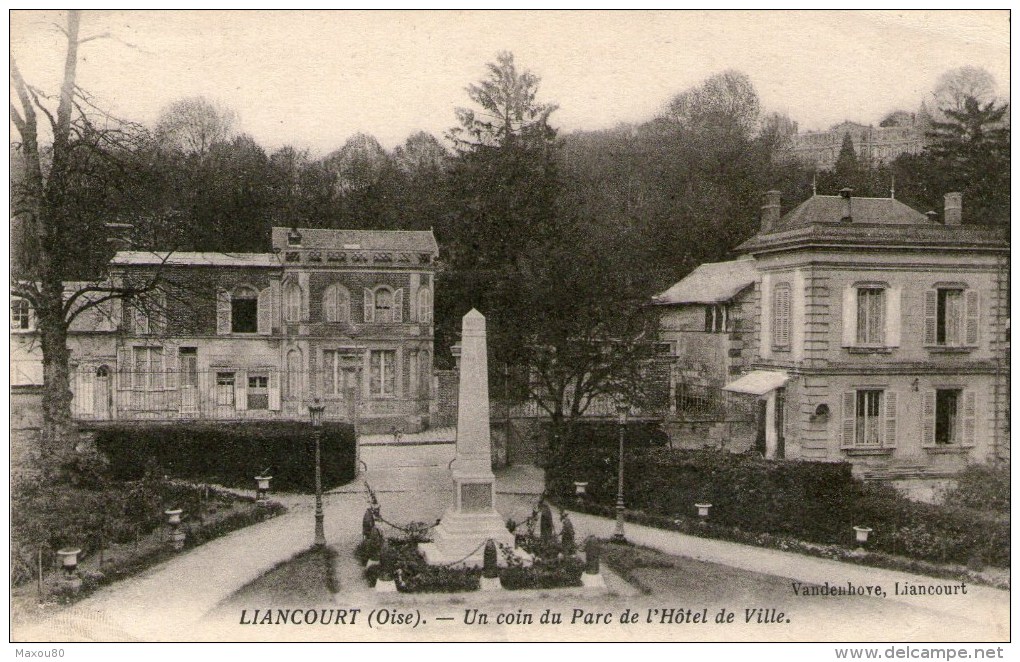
<point x="891" y="398"/>
<point x="931" y="310"/>
<point x="274" y="390"/>
<point x="849" y="415"/>
<point x="969" y="417"/>
<point x="170" y="367"/>
<point x="928" y="419"/>
<point x="126" y="367"/>
<point x="398" y="305"/>
<point x="222" y="312"/>
<point x="893" y="316"/>
<point x="973" y="303"/>
<point x="849" y="317"/>
<point x="265" y="312"/>
<point x="240" y="390"/>
<point x="369" y="305"/>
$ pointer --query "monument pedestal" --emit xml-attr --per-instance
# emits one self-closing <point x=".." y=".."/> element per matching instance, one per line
<point x="459" y="538"/>
<point x="465" y="527"/>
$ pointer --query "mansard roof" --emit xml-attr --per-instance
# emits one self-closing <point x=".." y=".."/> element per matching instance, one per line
<point x="874" y="222"/>
<point x="417" y="241"/>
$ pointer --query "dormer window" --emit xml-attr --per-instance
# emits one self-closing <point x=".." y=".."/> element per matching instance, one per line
<point x="293" y="237"/>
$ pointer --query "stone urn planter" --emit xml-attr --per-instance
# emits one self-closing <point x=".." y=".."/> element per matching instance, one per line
<point x="173" y="516"/>
<point x="703" y="509"/>
<point x="69" y="560"/>
<point x="580" y="488"/>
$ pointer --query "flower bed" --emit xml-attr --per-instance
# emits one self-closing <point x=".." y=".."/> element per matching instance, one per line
<point x="553" y="567"/>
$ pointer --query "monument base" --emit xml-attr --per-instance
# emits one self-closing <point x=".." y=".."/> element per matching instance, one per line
<point x="460" y="539"/>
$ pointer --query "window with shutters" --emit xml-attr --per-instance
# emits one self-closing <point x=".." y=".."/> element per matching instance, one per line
<point x="383" y="364"/>
<point x="951" y="317"/>
<point x="870" y="316"/>
<point x="336" y="304"/>
<point x="869" y="419"/>
<point x="258" y="391"/>
<point x="383" y="305"/>
<point x="147" y="367"/>
<point x="781" y="299"/>
<point x="425" y="305"/>
<point x="292" y="302"/>
<point x="947" y="416"/>
<point x="244" y="309"/>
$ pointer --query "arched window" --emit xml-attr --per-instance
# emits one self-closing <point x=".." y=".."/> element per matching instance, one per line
<point x="244" y="306"/>
<point x="383" y="304"/>
<point x="292" y="302"/>
<point x="425" y="305"/>
<point x="336" y="304"/>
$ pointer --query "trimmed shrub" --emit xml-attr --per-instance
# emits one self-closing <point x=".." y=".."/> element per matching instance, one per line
<point x="983" y="487"/>
<point x="231" y="454"/>
<point x="818" y="502"/>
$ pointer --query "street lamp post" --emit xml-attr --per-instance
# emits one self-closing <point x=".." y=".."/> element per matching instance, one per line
<point x="621" y="410"/>
<point x="315" y="411"/>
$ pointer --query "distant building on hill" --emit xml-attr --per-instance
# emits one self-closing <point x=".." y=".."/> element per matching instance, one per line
<point x="904" y="133"/>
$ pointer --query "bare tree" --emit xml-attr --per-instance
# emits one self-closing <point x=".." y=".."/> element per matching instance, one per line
<point x="194" y="125"/>
<point x="60" y="205"/>
<point x="955" y="86"/>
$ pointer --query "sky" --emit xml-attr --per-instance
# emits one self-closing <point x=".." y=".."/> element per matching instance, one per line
<point x="312" y="79"/>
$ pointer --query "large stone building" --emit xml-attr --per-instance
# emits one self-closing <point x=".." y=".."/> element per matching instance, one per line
<point x="342" y="316"/>
<point x="876" y="334"/>
<point x="873" y="145"/>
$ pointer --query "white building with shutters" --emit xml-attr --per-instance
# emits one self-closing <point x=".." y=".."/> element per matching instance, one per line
<point x="339" y="316"/>
<point x="880" y="336"/>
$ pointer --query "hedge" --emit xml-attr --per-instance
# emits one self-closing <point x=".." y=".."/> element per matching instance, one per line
<point x="231" y="454"/>
<point x="817" y="502"/>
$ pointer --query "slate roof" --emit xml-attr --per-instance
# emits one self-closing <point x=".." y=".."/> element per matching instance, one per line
<point x="714" y="282"/>
<point x="875" y="222"/>
<point x="418" y="241"/>
<point x="195" y="259"/>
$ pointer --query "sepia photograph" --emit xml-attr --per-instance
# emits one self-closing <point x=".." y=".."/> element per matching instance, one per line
<point x="684" y="327"/>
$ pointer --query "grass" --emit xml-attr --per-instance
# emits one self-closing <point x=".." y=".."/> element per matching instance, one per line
<point x="307" y="578"/>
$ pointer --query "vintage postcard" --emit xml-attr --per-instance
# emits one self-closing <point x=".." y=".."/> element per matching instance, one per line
<point x="511" y="326"/>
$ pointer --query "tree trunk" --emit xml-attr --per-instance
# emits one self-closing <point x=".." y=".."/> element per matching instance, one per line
<point x="58" y="437"/>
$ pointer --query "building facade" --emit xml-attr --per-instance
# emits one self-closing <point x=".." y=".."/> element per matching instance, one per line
<point x="339" y="316"/>
<point x="873" y="145"/>
<point x="879" y="336"/>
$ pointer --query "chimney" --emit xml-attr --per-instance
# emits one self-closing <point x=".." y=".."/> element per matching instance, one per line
<point x="847" y="195"/>
<point x="954" y="209"/>
<point x="770" y="210"/>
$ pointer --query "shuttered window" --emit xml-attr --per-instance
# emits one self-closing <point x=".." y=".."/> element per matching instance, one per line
<point x="781" y="316"/>
<point x="949" y="417"/>
<point x="869" y="418"/>
<point x="425" y="305"/>
<point x="951" y="317"/>
<point x="292" y="302"/>
<point x="870" y="316"/>
<point x="336" y="304"/>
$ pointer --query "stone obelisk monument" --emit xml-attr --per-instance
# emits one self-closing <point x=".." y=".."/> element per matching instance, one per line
<point x="472" y="519"/>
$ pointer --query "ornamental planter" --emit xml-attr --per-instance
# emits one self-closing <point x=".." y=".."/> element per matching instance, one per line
<point x="861" y="533"/>
<point x="262" y="483"/>
<point x="173" y="516"/>
<point x="703" y="509"/>
<point x="580" y="488"/>
<point x="69" y="560"/>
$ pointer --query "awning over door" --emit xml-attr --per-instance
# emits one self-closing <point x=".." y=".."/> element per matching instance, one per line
<point x="758" y="382"/>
